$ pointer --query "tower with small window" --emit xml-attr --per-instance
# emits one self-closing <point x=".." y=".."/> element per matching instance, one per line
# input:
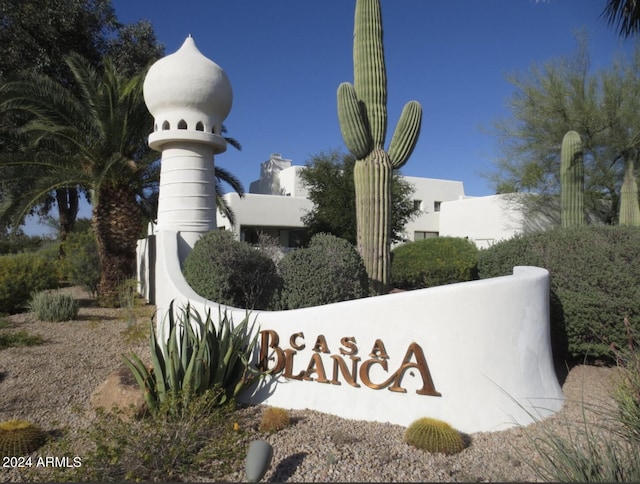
<point x="189" y="96"/>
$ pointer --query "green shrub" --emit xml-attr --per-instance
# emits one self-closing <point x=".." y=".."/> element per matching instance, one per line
<point x="329" y="270"/>
<point x="20" y="276"/>
<point x="595" y="282"/>
<point x="81" y="260"/>
<point x="15" y="243"/>
<point x="54" y="306"/>
<point x="224" y="270"/>
<point x="433" y="262"/>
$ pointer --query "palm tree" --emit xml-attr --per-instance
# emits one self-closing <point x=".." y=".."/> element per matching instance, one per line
<point x="226" y="176"/>
<point x="625" y="14"/>
<point x="92" y="138"/>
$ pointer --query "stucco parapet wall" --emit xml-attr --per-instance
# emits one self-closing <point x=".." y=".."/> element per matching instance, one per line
<point x="486" y="344"/>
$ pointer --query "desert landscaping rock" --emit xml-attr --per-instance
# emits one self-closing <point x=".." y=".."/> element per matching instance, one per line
<point x="119" y="391"/>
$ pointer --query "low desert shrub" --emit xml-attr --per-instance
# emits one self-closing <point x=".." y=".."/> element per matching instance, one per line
<point x="627" y="387"/>
<point x="196" y="446"/>
<point x="227" y="271"/>
<point x="433" y="262"/>
<point x="584" y="452"/>
<point x="20" y="276"/>
<point x="19" y="338"/>
<point x="54" y="306"/>
<point x="594" y="274"/>
<point x="602" y="445"/>
<point x="274" y="419"/>
<point x="328" y="270"/>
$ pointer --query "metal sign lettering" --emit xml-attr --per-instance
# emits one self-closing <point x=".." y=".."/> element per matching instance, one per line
<point x="281" y="360"/>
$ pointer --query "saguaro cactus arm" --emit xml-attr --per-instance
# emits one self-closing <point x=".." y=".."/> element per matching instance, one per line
<point x="353" y="122"/>
<point x="406" y="134"/>
<point x="369" y="72"/>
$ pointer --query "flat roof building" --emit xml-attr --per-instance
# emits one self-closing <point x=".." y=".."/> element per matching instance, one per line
<point x="277" y="201"/>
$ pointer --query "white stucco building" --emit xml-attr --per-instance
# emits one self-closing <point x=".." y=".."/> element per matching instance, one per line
<point x="278" y="200"/>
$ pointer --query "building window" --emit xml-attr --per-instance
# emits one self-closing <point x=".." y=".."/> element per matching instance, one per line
<point x="417" y="205"/>
<point x="436" y="206"/>
<point x="419" y="235"/>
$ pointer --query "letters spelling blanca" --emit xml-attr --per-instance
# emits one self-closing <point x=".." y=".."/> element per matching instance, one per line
<point x="283" y="362"/>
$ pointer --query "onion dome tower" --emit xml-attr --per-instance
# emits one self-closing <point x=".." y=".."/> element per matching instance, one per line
<point x="189" y="96"/>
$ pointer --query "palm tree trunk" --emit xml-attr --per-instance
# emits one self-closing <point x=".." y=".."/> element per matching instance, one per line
<point x="117" y="221"/>
<point x="67" y="200"/>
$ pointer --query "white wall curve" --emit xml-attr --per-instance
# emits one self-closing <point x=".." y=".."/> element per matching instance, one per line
<point x="486" y="345"/>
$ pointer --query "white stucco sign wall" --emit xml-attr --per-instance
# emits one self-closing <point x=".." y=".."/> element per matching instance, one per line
<point x="486" y="348"/>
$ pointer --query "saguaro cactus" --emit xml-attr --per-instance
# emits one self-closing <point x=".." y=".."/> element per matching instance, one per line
<point x="571" y="180"/>
<point x="362" y="113"/>
<point x="629" y="208"/>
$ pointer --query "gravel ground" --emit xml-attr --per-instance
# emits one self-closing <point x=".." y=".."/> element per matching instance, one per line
<point x="50" y="385"/>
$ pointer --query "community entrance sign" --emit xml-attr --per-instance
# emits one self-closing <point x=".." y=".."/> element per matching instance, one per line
<point x="475" y="354"/>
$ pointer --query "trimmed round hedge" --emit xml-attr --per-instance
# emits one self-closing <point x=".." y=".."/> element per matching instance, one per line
<point x="433" y="262"/>
<point x="594" y="283"/>
<point x="329" y="270"/>
<point x="231" y="272"/>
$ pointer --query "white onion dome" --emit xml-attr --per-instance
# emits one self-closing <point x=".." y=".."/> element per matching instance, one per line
<point x="185" y="91"/>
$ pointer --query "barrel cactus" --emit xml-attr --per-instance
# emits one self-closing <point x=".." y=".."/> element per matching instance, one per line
<point x="571" y="180"/>
<point x="362" y="113"/>
<point x="434" y="435"/>
<point x="19" y="438"/>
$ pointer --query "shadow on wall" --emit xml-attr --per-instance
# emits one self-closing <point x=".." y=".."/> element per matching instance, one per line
<point x="559" y="338"/>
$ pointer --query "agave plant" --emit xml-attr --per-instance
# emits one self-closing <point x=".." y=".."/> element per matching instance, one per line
<point x="197" y="356"/>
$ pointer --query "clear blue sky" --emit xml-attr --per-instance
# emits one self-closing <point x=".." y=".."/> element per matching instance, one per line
<point x="286" y="58"/>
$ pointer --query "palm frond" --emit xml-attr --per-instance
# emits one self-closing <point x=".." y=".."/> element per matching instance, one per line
<point x="624" y="15"/>
<point x="223" y="175"/>
<point x="232" y="141"/>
